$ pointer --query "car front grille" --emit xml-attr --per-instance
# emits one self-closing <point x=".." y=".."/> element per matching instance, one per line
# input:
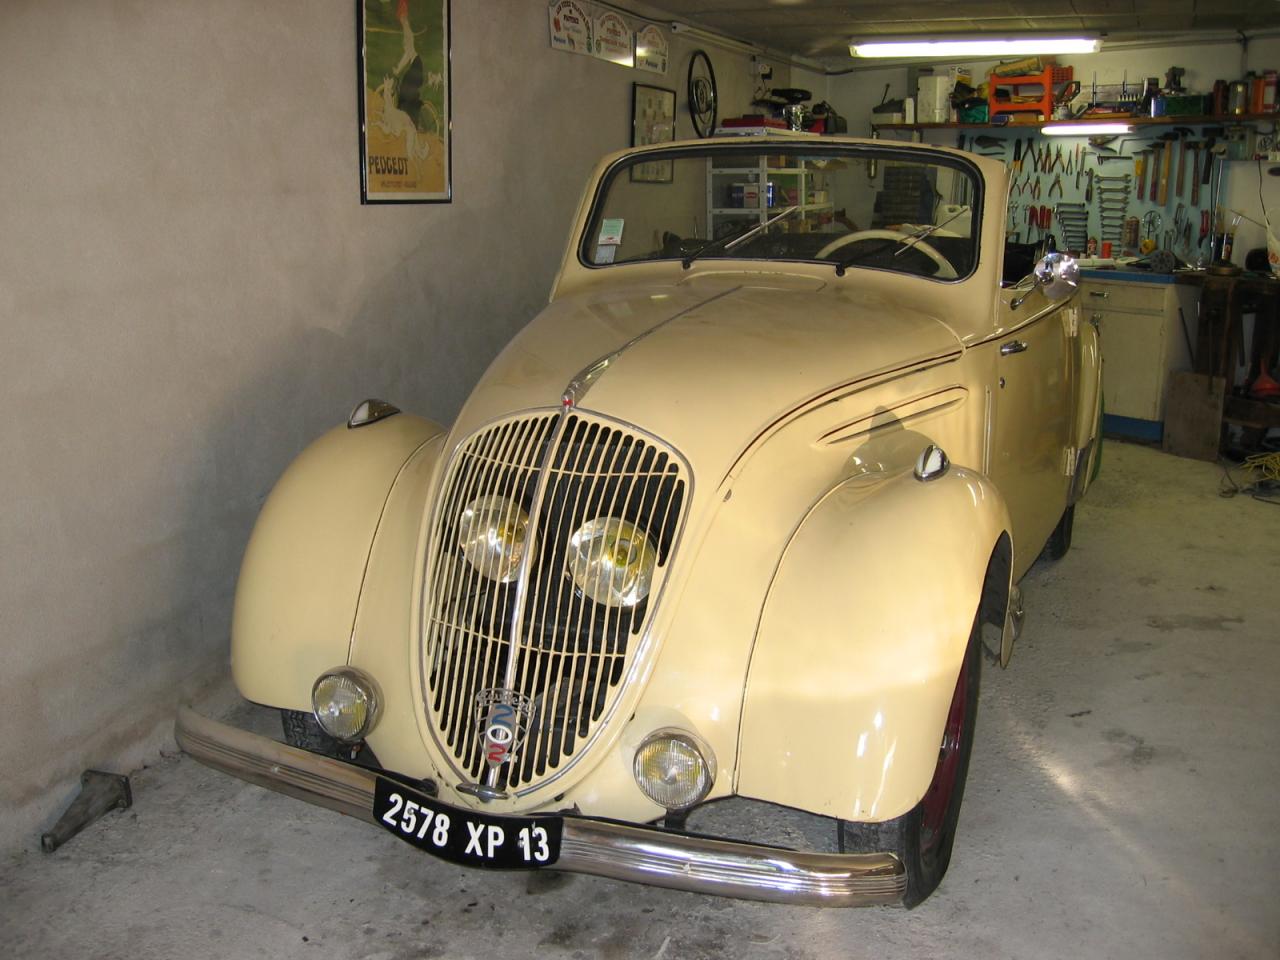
<point x="537" y="638"/>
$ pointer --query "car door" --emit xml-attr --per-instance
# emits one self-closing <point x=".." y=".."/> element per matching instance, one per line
<point x="1033" y="416"/>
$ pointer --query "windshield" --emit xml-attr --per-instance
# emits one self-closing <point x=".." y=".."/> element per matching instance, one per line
<point x="852" y="207"/>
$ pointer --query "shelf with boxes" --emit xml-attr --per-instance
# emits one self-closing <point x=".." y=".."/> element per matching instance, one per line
<point x="1166" y="121"/>
<point x="738" y="195"/>
<point x="1030" y="95"/>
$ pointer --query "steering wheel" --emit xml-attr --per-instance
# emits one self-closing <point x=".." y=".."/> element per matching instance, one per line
<point x="945" y="270"/>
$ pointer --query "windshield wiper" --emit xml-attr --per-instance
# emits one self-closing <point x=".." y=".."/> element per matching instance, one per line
<point x="906" y="243"/>
<point x="729" y="242"/>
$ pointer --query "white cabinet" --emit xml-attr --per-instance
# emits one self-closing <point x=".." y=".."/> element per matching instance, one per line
<point x="1142" y="338"/>
<point x="739" y="196"/>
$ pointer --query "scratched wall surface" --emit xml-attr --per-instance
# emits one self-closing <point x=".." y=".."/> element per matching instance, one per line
<point x="191" y="290"/>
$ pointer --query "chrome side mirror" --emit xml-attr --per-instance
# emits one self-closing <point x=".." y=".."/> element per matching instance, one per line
<point x="1059" y="274"/>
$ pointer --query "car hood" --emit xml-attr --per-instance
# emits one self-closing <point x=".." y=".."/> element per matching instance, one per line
<point x="706" y="363"/>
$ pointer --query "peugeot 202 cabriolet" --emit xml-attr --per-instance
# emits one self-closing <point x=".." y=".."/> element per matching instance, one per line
<point x="739" y="514"/>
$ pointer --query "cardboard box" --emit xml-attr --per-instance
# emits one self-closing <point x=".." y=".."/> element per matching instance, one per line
<point x="933" y="100"/>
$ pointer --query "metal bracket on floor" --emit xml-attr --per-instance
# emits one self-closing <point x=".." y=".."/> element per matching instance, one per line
<point x="99" y="793"/>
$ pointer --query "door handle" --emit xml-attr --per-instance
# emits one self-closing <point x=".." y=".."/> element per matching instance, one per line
<point x="1013" y="346"/>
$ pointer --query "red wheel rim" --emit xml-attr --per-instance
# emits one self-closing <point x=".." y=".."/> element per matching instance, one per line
<point x="937" y="801"/>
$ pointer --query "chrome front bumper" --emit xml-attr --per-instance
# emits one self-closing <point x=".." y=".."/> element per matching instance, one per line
<point x="603" y="848"/>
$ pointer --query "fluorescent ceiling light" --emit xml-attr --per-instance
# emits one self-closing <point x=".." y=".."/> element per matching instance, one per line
<point x="1084" y="129"/>
<point x="974" y="47"/>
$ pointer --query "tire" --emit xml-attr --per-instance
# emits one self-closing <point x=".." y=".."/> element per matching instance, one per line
<point x="1059" y="542"/>
<point x="301" y="730"/>
<point x="922" y="838"/>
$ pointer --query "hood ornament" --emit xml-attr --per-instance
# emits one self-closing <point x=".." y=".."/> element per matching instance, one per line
<point x="502" y="722"/>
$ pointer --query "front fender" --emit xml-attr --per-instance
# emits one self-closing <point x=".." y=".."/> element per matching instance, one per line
<point x="303" y="568"/>
<point x="860" y="643"/>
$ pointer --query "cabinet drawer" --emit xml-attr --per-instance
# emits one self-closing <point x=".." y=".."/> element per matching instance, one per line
<point x="1129" y="297"/>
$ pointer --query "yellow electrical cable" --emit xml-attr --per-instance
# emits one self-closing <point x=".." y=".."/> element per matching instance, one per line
<point x="1265" y="466"/>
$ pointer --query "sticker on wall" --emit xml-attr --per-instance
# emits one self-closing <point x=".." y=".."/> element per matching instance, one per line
<point x="651" y="50"/>
<point x="571" y="28"/>
<point x="614" y="39"/>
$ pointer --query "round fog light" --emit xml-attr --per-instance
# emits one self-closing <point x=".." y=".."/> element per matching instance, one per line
<point x="345" y="703"/>
<point x="672" y="771"/>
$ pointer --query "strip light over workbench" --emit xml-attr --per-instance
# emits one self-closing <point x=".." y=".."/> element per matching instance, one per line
<point x="973" y="47"/>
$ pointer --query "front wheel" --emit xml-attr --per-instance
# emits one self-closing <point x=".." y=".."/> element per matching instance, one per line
<point x="922" y="837"/>
<point x="302" y="731"/>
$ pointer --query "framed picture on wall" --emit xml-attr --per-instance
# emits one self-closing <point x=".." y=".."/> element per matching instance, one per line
<point x="405" y="119"/>
<point x="653" y="120"/>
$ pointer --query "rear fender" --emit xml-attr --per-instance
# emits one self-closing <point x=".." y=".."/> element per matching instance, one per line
<point x="302" y="572"/>
<point x="861" y="640"/>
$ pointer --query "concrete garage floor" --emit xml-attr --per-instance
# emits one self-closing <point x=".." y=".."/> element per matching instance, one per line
<point x="1121" y="803"/>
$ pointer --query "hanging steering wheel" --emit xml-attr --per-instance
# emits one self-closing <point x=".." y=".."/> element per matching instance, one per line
<point x="702" y="94"/>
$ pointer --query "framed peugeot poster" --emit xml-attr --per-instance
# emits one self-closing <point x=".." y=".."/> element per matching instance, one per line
<point x="405" y="121"/>
<point x="653" y="120"/>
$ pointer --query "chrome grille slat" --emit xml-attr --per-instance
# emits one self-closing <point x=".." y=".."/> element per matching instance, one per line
<point x="586" y="705"/>
<point x="539" y="635"/>
<point x="553" y="664"/>
<point x="469" y="650"/>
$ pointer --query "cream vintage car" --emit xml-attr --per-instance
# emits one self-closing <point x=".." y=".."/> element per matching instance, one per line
<point x="737" y="515"/>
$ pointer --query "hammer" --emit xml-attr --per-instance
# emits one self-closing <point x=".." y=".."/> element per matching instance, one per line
<point x="1184" y="133"/>
<point x="1140" y="169"/>
<point x="1157" y="149"/>
<point x="1170" y="138"/>
<point x="1194" y="146"/>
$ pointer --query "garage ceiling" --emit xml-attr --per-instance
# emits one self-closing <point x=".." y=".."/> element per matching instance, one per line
<point x="821" y="29"/>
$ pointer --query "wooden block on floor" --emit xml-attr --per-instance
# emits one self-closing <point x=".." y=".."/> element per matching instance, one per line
<point x="1193" y="415"/>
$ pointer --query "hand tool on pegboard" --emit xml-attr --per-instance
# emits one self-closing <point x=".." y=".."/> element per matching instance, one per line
<point x="1194" y="146"/>
<point x="1088" y="193"/>
<point x="1151" y="224"/>
<point x="1182" y="170"/>
<point x="1017" y="154"/>
<point x="1140" y="171"/>
<point x="1157" y="154"/>
<point x="1170" y="138"/>
<point x="1181" y="225"/>
<point x="1211" y="135"/>
<point x="1161" y="193"/>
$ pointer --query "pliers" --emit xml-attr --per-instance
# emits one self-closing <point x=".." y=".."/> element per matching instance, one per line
<point x="1057" y="184"/>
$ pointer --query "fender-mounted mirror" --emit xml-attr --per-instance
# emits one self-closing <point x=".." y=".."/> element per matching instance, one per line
<point x="1058" y="274"/>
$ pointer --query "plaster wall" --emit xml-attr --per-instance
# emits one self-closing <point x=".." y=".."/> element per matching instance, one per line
<point x="190" y="290"/>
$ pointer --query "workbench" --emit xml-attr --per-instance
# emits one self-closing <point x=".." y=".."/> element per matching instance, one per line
<point x="1145" y="322"/>
<point x="1220" y="341"/>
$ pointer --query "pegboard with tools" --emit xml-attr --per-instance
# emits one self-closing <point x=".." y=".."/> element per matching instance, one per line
<point x="1117" y="195"/>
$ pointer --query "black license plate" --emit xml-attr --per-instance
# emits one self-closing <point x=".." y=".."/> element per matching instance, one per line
<point x="465" y="836"/>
